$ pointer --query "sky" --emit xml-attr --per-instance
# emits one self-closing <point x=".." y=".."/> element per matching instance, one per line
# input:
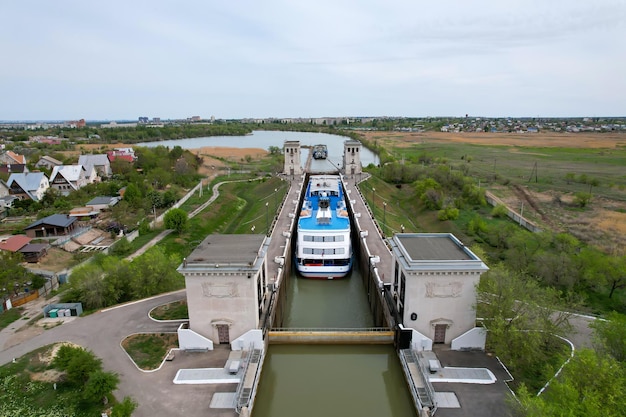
<point x="233" y="59"/>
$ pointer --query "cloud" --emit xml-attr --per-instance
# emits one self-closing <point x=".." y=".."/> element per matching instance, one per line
<point x="279" y="57"/>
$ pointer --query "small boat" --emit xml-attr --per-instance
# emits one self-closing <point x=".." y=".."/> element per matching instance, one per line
<point x="323" y="244"/>
<point x="320" y="152"/>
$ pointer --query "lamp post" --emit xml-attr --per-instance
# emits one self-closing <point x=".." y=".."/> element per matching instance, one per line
<point x="267" y="218"/>
<point x="384" y="219"/>
<point x="373" y="202"/>
<point x="276" y="199"/>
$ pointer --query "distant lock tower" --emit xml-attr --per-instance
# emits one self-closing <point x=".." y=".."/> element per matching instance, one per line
<point x="292" y="158"/>
<point x="352" y="157"/>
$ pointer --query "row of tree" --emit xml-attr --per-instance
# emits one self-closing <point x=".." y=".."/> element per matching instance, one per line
<point x="108" y="280"/>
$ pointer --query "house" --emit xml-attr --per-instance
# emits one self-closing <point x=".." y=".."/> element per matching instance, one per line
<point x="14" y="243"/>
<point x="10" y="157"/>
<point x="84" y="212"/>
<point x="55" y="225"/>
<point x="6" y="199"/>
<point x="100" y="163"/>
<point x="31" y="185"/>
<point x="117" y="156"/>
<point x="434" y="290"/>
<point x="67" y="178"/>
<point x="102" y="203"/>
<point x="10" y="168"/>
<point x="48" y="162"/>
<point x="33" y="252"/>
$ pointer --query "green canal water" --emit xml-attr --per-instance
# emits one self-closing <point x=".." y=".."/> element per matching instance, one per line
<point x="331" y="380"/>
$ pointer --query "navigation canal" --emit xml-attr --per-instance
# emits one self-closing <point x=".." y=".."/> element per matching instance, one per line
<point x="331" y="380"/>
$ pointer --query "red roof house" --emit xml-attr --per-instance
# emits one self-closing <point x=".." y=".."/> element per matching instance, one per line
<point x="15" y="243"/>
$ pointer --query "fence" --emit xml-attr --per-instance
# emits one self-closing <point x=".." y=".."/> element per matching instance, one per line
<point x="518" y="218"/>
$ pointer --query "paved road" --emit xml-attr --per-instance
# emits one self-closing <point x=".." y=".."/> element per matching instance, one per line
<point x="102" y="333"/>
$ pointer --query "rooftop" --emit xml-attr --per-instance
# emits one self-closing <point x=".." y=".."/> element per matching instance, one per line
<point x="227" y="251"/>
<point x="432" y="247"/>
<point x="434" y="252"/>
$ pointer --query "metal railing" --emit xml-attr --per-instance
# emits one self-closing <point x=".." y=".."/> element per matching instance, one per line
<point x="422" y="396"/>
<point x="331" y="329"/>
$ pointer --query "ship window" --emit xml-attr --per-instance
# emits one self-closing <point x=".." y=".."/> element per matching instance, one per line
<point x="311" y="238"/>
<point x="324" y="251"/>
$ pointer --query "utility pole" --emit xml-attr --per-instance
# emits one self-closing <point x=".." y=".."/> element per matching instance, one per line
<point x="267" y="218"/>
<point x="384" y="219"/>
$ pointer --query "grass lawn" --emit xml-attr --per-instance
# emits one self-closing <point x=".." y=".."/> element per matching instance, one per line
<point x="9" y="316"/>
<point x="149" y="350"/>
<point x="172" y="311"/>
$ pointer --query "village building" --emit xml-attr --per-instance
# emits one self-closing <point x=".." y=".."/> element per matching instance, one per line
<point x="33" y="252"/>
<point x="102" y="203"/>
<point x="48" y="162"/>
<point x="10" y="157"/>
<point x="68" y="178"/>
<point x="14" y="243"/>
<point x="55" y="225"/>
<point x="100" y="163"/>
<point x="31" y="185"/>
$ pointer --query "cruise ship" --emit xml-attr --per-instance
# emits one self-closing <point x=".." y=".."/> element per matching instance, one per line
<point x="323" y="245"/>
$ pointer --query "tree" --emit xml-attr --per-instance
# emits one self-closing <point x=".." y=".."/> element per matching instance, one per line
<point x="604" y="270"/>
<point x="100" y="385"/>
<point x="589" y="386"/>
<point x="77" y="363"/>
<point x="132" y="195"/>
<point x="124" y="409"/>
<point x="88" y="284"/>
<point x="610" y="335"/>
<point x="520" y="315"/>
<point x="176" y="219"/>
<point x="13" y="275"/>
<point x="154" y="272"/>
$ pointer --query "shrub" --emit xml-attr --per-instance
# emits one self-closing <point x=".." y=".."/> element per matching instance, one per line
<point x="500" y="211"/>
<point x="582" y="199"/>
<point x="448" y="213"/>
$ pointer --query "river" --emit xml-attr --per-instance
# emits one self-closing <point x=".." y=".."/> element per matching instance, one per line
<point x="264" y="139"/>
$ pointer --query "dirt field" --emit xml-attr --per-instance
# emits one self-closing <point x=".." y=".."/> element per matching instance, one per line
<point x="557" y="140"/>
<point x="602" y="223"/>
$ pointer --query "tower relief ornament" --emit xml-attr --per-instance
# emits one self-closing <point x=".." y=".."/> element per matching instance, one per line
<point x="444" y="290"/>
<point x="219" y="290"/>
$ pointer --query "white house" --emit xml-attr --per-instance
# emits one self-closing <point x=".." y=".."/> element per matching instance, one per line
<point x="100" y="163"/>
<point x="31" y="185"/>
<point x="67" y="178"/>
